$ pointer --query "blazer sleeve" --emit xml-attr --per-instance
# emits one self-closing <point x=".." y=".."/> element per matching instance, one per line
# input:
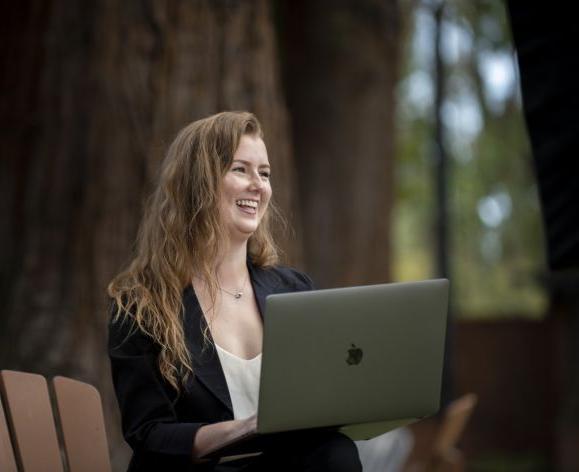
<point x="149" y="421"/>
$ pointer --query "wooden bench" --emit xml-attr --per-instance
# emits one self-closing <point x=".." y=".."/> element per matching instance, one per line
<point x="442" y="454"/>
<point x="30" y="438"/>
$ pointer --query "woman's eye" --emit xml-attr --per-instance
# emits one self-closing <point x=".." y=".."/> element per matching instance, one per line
<point x="265" y="174"/>
<point x="238" y="169"/>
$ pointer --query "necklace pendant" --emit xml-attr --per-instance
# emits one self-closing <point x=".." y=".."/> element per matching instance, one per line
<point x="238" y="295"/>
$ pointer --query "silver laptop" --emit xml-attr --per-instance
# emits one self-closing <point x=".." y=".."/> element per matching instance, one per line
<point x="353" y="356"/>
<point x="363" y="359"/>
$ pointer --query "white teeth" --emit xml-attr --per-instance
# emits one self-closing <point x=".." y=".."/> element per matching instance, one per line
<point x="247" y="203"/>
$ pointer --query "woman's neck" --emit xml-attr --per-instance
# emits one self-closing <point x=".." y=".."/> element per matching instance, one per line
<point x="232" y="269"/>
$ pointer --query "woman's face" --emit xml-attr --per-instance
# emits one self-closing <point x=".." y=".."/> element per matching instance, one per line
<point x="246" y="189"/>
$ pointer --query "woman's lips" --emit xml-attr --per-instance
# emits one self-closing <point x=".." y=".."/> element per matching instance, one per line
<point x="247" y="210"/>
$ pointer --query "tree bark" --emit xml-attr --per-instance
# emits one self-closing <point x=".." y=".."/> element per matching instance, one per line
<point x="96" y="92"/>
<point x="341" y="69"/>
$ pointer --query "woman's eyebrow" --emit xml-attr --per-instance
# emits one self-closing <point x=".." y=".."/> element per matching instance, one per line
<point x="247" y="163"/>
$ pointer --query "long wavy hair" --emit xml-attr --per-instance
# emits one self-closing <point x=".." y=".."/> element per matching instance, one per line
<point x="181" y="235"/>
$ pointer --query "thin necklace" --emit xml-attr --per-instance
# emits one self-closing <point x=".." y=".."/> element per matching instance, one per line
<point x="237" y="294"/>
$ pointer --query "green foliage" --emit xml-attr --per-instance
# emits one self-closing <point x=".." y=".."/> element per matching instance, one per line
<point x="496" y="240"/>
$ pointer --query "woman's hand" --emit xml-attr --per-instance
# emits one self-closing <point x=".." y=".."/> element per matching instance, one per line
<point x="213" y="436"/>
<point x="248" y="426"/>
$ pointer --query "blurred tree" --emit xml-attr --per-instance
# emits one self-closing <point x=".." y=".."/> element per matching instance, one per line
<point x="91" y="96"/>
<point x="340" y="71"/>
<point x="92" y="93"/>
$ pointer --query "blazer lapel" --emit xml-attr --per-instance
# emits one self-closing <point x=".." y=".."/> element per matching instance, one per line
<point x="261" y="284"/>
<point x="206" y="366"/>
<point x="264" y="282"/>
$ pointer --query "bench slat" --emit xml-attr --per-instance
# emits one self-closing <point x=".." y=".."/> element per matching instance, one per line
<point x="7" y="460"/>
<point x="31" y="421"/>
<point x="83" y="427"/>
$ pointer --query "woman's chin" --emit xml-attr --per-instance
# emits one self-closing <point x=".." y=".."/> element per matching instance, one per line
<point x="242" y="233"/>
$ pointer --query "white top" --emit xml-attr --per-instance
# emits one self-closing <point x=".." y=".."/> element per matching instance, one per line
<point x="242" y="376"/>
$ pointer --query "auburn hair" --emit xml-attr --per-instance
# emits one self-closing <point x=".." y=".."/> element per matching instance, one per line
<point x="181" y="235"/>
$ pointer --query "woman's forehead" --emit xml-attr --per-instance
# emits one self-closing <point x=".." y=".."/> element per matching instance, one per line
<point x="251" y="150"/>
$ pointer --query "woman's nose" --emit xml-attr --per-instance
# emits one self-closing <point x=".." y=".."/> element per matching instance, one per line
<point x="256" y="181"/>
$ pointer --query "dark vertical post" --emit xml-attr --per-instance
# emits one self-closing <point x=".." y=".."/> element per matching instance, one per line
<point x="545" y="38"/>
<point x="441" y="224"/>
<point x="440" y="155"/>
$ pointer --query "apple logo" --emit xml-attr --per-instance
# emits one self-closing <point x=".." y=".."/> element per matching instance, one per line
<point x="355" y="355"/>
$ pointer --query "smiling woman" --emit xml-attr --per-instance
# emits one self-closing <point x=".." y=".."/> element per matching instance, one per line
<point x="186" y="331"/>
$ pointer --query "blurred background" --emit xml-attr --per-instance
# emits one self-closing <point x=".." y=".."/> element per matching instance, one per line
<point x="399" y="149"/>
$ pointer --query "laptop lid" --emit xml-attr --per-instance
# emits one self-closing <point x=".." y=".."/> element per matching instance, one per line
<point x="350" y="356"/>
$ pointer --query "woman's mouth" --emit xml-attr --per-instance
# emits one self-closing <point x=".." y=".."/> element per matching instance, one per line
<point x="247" y="206"/>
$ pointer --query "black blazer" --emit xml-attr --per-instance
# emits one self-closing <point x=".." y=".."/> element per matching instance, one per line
<point x="158" y="423"/>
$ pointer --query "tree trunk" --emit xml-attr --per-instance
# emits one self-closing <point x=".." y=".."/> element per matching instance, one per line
<point x="96" y="92"/>
<point x="341" y="69"/>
